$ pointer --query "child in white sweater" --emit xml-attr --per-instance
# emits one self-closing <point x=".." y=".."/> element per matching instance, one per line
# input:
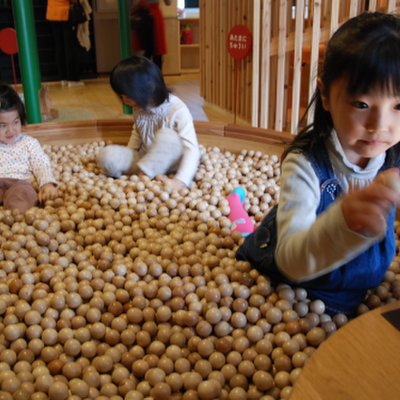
<point x="22" y="158"/>
<point x="163" y="139"/>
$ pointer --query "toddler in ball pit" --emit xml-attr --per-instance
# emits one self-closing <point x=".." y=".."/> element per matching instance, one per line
<point x="22" y="158"/>
<point x="163" y="139"/>
<point x="332" y="231"/>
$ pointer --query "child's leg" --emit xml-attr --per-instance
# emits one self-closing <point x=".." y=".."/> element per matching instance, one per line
<point x="163" y="153"/>
<point x="21" y="196"/>
<point x="116" y="160"/>
<point x="4" y="185"/>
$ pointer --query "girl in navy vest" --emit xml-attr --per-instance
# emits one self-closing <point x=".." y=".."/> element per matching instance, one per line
<point x="335" y="234"/>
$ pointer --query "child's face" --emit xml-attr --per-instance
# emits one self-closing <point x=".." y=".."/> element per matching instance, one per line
<point x="367" y="125"/>
<point x="10" y="126"/>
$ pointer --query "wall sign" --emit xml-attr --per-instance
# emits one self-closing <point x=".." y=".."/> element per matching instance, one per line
<point x="239" y="42"/>
<point x="9" y="45"/>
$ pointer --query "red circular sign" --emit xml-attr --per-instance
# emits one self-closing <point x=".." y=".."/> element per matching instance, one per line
<point x="8" y="41"/>
<point x="239" y="42"/>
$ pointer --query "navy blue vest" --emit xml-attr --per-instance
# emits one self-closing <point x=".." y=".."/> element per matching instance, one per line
<point x="343" y="289"/>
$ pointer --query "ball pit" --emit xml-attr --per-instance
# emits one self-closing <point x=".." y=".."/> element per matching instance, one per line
<point x="122" y="289"/>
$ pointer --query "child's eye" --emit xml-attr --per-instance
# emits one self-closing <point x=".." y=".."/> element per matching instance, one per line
<point x="397" y="107"/>
<point x="360" y="104"/>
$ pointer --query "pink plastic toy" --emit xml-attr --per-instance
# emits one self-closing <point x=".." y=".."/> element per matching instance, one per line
<point x="241" y="221"/>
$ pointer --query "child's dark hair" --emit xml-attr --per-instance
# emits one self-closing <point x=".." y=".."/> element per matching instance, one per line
<point x="141" y="80"/>
<point x="366" y="51"/>
<point x="10" y="100"/>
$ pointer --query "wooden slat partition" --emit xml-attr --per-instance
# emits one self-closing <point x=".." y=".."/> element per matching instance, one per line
<point x="280" y="81"/>
<point x="275" y="91"/>
<point x="297" y="64"/>
<point x="353" y="8"/>
<point x="256" y="60"/>
<point x="334" y="16"/>
<point x="315" y="40"/>
<point x="265" y="61"/>
<point x="372" y="5"/>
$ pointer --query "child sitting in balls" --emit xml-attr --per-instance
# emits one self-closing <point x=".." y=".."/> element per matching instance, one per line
<point x="163" y="139"/>
<point x="22" y="158"/>
<point x="334" y="232"/>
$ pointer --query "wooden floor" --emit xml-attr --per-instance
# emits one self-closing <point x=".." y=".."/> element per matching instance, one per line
<point x="96" y="100"/>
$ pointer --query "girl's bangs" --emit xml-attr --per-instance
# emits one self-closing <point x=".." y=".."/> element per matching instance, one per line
<point x="378" y="67"/>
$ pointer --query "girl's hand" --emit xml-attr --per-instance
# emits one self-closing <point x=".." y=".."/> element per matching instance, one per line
<point x="174" y="183"/>
<point x="366" y="210"/>
<point x="47" y="192"/>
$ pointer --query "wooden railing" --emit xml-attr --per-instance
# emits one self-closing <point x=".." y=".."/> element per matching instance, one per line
<point x="227" y="137"/>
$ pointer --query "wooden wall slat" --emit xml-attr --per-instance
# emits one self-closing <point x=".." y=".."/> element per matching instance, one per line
<point x="242" y="65"/>
<point x="245" y="19"/>
<point x="334" y="16"/>
<point x="391" y="5"/>
<point x="265" y="62"/>
<point x="353" y="8"/>
<point x="280" y="81"/>
<point x="314" y="52"/>
<point x="256" y="62"/>
<point x="297" y="65"/>
<point x="214" y="50"/>
<point x="248" y="105"/>
<point x="274" y="70"/>
<point x="222" y="58"/>
<point x="372" y="5"/>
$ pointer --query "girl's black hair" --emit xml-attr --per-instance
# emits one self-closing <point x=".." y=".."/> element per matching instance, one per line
<point x="10" y="100"/>
<point x="366" y="51"/>
<point x="141" y="80"/>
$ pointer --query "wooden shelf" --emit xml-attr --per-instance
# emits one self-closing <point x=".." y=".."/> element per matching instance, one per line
<point x="190" y="46"/>
<point x="189" y="70"/>
<point x="190" y="53"/>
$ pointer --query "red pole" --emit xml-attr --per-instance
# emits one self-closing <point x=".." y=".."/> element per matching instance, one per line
<point x="236" y="90"/>
<point x="13" y="69"/>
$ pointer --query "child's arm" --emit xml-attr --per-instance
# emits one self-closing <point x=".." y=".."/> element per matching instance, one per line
<point x="41" y="169"/>
<point x="310" y="246"/>
<point x="182" y="122"/>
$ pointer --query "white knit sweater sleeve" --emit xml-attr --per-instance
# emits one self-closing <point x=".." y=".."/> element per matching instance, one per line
<point x="39" y="163"/>
<point x="310" y="246"/>
<point x="181" y="121"/>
